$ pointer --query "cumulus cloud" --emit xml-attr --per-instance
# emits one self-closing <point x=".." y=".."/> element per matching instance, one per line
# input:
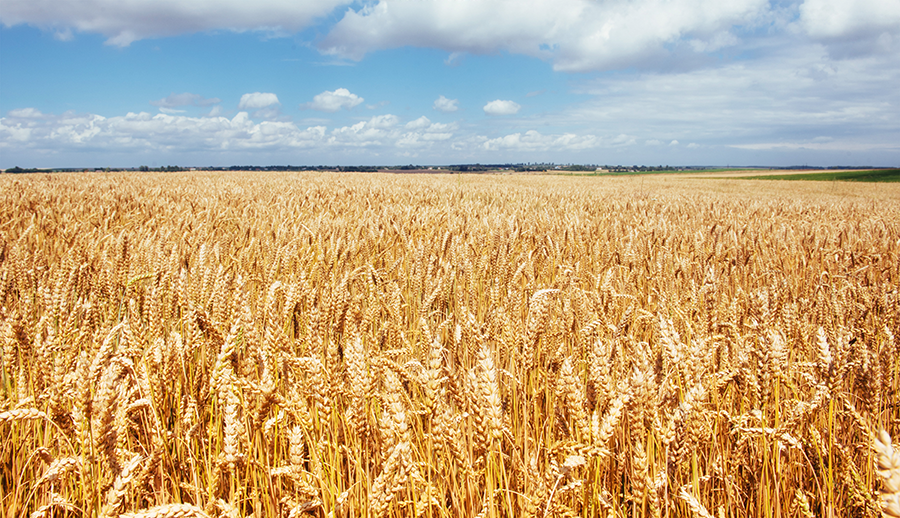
<point x="334" y="101"/>
<point x="421" y="122"/>
<point x="257" y="100"/>
<point x="425" y="133"/>
<point x="384" y="131"/>
<point x="185" y="99"/>
<point x="125" y="22"/>
<point x="377" y="131"/>
<point x="442" y="104"/>
<point x="500" y="107"/>
<point x="575" y="35"/>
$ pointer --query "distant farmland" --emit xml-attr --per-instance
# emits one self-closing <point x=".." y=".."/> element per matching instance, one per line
<point x="870" y="175"/>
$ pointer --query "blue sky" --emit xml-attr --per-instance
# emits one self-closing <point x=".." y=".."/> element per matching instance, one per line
<point x="680" y="82"/>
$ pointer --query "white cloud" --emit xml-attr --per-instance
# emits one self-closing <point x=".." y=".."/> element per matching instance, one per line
<point x="799" y="93"/>
<point x="125" y="22"/>
<point x="500" y="107"/>
<point x="420" y="123"/>
<point x="771" y="110"/>
<point x="530" y="141"/>
<point x="135" y="132"/>
<point x="39" y="134"/>
<point x="377" y="131"/>
<point x="26" y="113"/>
<point x="170" y="111"/>
<point x="64" y="34"/>
<point x="851" y="28"/>
<point x="575" y="35"/>
<point x="623" y="140"/>
<point x="425" y="133"/>
<point x="257" y="100"/>
<point x="534" y="141"/>
<point x="185" y="99"/>
<point x="717" y="41"/>
<point x="383" y="121"/>
<point x="442" y="104"/>
<point x="844" y="144"/>
<point x="839" y="18"/>
<point x="334" y="101"/>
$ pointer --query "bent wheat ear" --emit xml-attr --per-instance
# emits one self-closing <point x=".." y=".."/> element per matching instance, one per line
<point x="697" y="509"/>
<point x="887" y="461"/>
<point x="22" y="414"/>
<point x="116" y="496"/>
<point x="168" y="511"/>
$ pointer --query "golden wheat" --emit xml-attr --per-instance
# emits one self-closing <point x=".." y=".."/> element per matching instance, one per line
<point x="308" y="344"/>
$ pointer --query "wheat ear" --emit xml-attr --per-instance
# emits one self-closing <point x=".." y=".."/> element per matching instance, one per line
<point x="697" y="509"/>
<point x="888" y="463"/>
<point x="168" y="511"/>
<point x="116" y="496"/>
<point x="22" y="414"/>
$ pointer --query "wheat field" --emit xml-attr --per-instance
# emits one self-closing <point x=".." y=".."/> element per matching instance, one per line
<point x="337" y="345"/>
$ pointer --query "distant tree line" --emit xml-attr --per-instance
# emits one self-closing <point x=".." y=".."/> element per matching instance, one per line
<point x="18" y="170"/>
<point x="454" y="168"/>
<point x="168" y="168"/>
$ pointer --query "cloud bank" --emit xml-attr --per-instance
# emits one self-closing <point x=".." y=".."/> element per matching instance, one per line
<point x="850" y="28"/>
<point x="30" y="130"/>
<point x="123" y="23"/>
<point x="846" y="18"/>
<point x="575" y="35"/>
<point x="28" y="134"/>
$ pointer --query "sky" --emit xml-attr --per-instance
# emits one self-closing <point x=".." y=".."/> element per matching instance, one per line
<point x="112" y="83"/>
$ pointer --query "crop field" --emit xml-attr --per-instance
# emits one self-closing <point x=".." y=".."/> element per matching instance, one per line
<point x="873" y="175"/>
<point x="342" y="345"/>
